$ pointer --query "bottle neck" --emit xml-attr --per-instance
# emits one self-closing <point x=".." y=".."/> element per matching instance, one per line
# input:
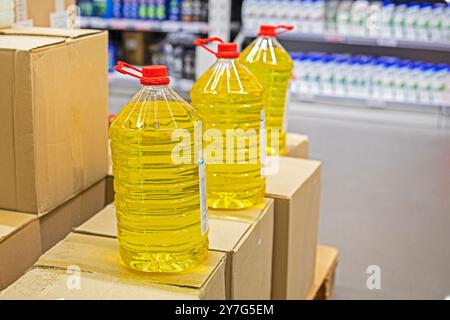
<point x="155" y="87"/>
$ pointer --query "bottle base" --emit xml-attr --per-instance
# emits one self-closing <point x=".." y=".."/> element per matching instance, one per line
<point x="164" y="262"/>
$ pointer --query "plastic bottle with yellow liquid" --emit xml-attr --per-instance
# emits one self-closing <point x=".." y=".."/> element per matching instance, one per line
<point x="160" y="196"/>
<point x="231" y="102"/>
<point x="266" y="58"/>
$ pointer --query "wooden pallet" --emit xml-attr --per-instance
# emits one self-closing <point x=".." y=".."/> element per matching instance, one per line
<point x="326" y="263"/>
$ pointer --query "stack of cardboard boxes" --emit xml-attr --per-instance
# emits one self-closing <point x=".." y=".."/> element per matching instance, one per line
<point x="53" y="150"/>
<point x="265" y="252"/>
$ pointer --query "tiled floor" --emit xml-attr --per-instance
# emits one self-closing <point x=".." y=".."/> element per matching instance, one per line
<point x="385" y="202"/>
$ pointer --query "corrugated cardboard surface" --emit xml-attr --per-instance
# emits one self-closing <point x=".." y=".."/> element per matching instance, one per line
<point x="296" y="191"/>
<point x="103" y="276"/>
<point x="246" y="236"/>
<point x="248" y="245"/>
<point x="53" y="101"/>
<point x="20" y="245"/>
<point x="57" y="224"/>
<point x="297" y="146"/>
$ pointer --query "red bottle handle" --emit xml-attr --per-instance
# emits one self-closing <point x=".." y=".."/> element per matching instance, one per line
<point x="284" y="28"/>
<point x="201" y="43"/>
<point x="120" y="68"/>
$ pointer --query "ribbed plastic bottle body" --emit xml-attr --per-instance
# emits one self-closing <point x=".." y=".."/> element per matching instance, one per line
<point x="229" y="99"/>
<point x="159" y="219"/>
<point x="273" y="67"/>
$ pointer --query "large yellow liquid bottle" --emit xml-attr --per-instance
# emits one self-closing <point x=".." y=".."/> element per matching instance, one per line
<point x="272" y="65"/>
<point x="231" y="101"/>
<point x="159" y="178"/>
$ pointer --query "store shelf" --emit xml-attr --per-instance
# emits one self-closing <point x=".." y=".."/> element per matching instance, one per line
<point x="360" y="40"/>
<point x="143" y="25"/>
<point x="369" y="103"/>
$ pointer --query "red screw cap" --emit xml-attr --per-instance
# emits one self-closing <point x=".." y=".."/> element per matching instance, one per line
<point x="150" y="75"/>
<point x="154" y="75"/>
<point x="271" y="31"/>
<point x="224" y="49"/>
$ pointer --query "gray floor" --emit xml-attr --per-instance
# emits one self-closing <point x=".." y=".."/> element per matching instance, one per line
<point x="385" y="200"/>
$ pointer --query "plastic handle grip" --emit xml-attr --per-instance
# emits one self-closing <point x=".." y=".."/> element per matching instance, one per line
<point x="202" y="41"/>
<point x="284" y="28"/>
<point x="120" y="67"/>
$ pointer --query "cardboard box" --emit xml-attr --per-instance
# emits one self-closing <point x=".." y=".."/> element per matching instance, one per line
<point x="297" y="146"/>
<point x="296" y="191"/>
<point x="20" y="245"/>
<point x="246" y="239"/>
<point x="57" y="224"/>
<point x="89" y="267"/>
<point x="43" y="13"/>
<point x="53" y="123"/>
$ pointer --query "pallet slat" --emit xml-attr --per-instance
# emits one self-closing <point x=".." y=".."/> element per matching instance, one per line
<point x="326" y="263"/>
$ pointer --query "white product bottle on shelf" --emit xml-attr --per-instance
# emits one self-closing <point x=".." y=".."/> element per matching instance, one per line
<point x="424" y="21"/>
<point x="249" y="10"/>
<point x="359" y="14"/>
<point x="412" y="83"/>
<point x="411" y="18"/>
<point x="343" y="18"/>
<point x="285" y="12"/>
<point x="399" y="21"/>
<point x="438" y="85"/>
<point x="295" y="75"/>
<point x="353" y="78"/>
<point x="370" y="72"/>
<point x="271" y="10"/>
<point x="306" y="16"/>
<point x="387" y="11"/>
<point x="373" y="23"/>
<point x="262" y="13"/>
<point x="314" y="72"/>
<point x="377" y="80"/>
<point x="437" y="22"/>
<point x="390" y="73"/>
<point x="327" y="74"/>
<point x="446" y="24"/>
<point x="425" y="83"/>
<point x="331" y="8"/>
<point x="342" y="66"/>
<point x="317" y="16"/>
<point x="401" y="80"/>
<point x="295" y="15"/>
<point x="304" y="68"/>
<point x="366" y="70"/>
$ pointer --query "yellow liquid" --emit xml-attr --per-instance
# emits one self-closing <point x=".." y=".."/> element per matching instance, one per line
<point x="157" y="201"/>
<point x="273" y="67"/>
<point x="227" y="96"/>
